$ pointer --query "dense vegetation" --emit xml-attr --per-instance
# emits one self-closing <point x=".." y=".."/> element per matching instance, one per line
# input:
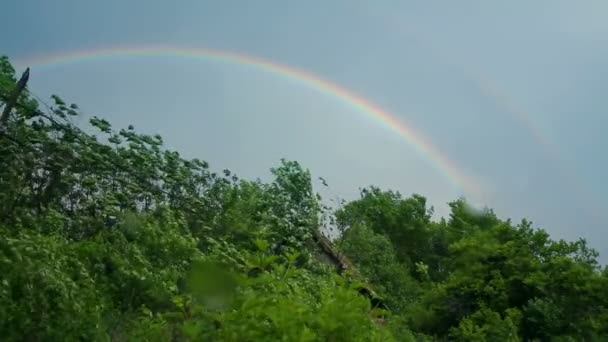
<point x="109" y="236"/>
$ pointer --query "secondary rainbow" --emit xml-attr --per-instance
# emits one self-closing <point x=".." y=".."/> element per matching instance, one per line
<point x="399" y="126"/>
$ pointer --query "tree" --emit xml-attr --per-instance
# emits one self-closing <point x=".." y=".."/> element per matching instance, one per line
<point x="374" y="256"/>
<point x="110" y="236"/>
<point x="404" y="221"/>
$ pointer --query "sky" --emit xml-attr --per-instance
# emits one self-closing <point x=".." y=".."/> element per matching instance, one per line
<point x="510" y="93"/>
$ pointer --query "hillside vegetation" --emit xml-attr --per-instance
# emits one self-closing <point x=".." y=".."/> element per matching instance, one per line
<point x="111" y="237"/>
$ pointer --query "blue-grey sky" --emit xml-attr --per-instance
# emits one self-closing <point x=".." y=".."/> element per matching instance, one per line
<point x="511" y="92"/>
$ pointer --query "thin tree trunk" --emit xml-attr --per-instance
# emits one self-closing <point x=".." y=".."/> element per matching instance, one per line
<point x="12" y="99"/>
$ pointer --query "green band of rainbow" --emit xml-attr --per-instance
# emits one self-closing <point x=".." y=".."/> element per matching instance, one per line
<point x="399" y="126"/>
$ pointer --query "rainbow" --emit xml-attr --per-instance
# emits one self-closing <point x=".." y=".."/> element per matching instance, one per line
<point x="458" y="179"/>
<point x="491" y="90"/>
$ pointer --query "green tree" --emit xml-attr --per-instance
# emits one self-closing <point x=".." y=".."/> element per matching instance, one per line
<point x="110" y="236"/>
<point x="374" y="256"/>
<point x="404" y="221"/>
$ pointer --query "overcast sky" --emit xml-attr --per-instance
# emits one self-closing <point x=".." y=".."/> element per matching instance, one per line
<point x="512" y="92"/>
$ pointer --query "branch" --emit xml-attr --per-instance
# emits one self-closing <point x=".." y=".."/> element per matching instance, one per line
<point x="12" y="100"/>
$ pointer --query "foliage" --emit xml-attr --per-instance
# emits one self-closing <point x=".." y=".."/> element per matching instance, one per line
<point x="404" y="221"/>
<point x="109" y="236"/>
<point x="375" y="257"/>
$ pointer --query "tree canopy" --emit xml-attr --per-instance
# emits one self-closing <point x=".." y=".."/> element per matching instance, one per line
<point x="109" y="236"/>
